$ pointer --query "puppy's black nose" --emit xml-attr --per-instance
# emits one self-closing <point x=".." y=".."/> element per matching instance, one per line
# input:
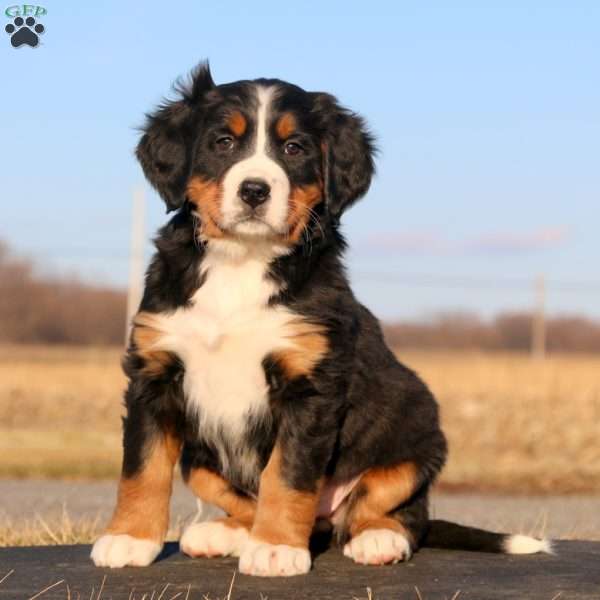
<point x="254" y="191"/>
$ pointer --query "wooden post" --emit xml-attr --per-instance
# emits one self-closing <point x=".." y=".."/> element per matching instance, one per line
<point x="136" y="257"/>
<point x="538" y="326"/>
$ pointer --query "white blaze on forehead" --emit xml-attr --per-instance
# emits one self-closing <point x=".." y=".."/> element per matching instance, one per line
<point x="265" y="96"/>
<point x="258" y="165"/>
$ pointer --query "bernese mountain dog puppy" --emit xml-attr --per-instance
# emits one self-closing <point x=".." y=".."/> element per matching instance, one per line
<point x="252" y="364"/>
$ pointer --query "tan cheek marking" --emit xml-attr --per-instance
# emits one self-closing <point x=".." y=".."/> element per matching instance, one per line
<point x="310" y="345"/>
<point x="206" y="197"/>
<point x="146" y="338"/>
<point x="142" y="509"/>
<point x="285" y="126"/>
<point x="214" y="489"/>
<point x="283" y="515"/>
<point x="237" y="123"/>
<point x="383" y="490"/>
<point x="301" y="201"/>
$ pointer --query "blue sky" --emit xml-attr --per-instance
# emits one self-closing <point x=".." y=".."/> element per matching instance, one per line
<point x="487" y="116"/>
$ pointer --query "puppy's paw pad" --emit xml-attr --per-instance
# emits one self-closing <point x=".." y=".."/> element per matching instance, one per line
<point x="213" y="538"/>
<point x="378" y="547"/>
<point x="270" y="560"/>
<point x="124" y="550"/>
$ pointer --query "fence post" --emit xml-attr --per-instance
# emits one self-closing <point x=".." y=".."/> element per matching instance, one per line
<point x="136" y="257"/>
<point x="538" y="326"/>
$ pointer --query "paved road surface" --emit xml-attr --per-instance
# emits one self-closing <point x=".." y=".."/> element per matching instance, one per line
<point x="572" y="574"/>
<point x="570" y="517"/>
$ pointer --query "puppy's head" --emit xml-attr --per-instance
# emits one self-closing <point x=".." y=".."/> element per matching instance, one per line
<point x="258" y="158"/>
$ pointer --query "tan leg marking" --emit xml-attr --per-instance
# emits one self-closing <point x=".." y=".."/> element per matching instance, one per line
<point x="381" y="490"/>
<point x="146" y="336"/>
<point x="212" y="488"/>
<point x="142" y="509"/>
<point x="283" y="515"/>
<point x="310" y="346"/>
<point x="224" y="536"/>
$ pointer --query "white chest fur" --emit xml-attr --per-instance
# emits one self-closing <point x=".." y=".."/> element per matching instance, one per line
<point x="223" y="337"/>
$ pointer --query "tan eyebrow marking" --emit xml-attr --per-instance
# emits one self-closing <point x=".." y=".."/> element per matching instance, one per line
<point x="237" y="123"/>
<point x="285" y="126"/>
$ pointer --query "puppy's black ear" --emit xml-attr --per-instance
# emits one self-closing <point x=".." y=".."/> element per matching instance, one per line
<point x="348" y="150"/>
<point x="165" y="148"/>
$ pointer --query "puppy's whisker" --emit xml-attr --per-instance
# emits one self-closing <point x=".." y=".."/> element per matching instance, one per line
<point x="316" y="220"/>
<point x="196" y="230"/>
<point x="308" y="237"/>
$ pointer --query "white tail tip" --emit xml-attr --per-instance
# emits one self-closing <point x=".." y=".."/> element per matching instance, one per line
<point x="523" y="544"/>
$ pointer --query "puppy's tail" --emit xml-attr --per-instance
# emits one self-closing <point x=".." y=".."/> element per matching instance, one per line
<point x="451" y="536"/>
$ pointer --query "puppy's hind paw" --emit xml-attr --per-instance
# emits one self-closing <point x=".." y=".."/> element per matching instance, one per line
<point x="213" y="538"/>
<point x="378" y="547"/>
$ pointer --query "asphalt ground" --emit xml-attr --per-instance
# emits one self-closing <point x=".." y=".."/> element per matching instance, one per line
<point x="65" y="572"/>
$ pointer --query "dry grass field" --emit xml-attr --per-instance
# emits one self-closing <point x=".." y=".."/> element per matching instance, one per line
<point x="513" y="424"/>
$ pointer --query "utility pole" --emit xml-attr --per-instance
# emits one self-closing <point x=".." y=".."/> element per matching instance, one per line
<point x="538" y="325"/>
<point x="136" y="257"/>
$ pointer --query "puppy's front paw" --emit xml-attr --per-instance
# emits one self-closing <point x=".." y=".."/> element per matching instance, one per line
<point x="124" y="550"/>
<point x="270" y="560"/>
<point x="213" y="538"/>
<point x="378" y="547"/>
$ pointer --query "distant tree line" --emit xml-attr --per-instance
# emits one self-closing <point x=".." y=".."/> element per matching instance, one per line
<point x="35" y="308"/>
<point x="507" y="331"/>
<point x="51" y="310"/>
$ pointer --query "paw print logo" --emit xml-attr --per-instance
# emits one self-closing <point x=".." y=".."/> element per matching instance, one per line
<point x="24" y="32"/>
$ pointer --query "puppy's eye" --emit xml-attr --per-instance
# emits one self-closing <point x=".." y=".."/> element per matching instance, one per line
<point x="225" y="142"/>
<point x="293" y="149"/>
